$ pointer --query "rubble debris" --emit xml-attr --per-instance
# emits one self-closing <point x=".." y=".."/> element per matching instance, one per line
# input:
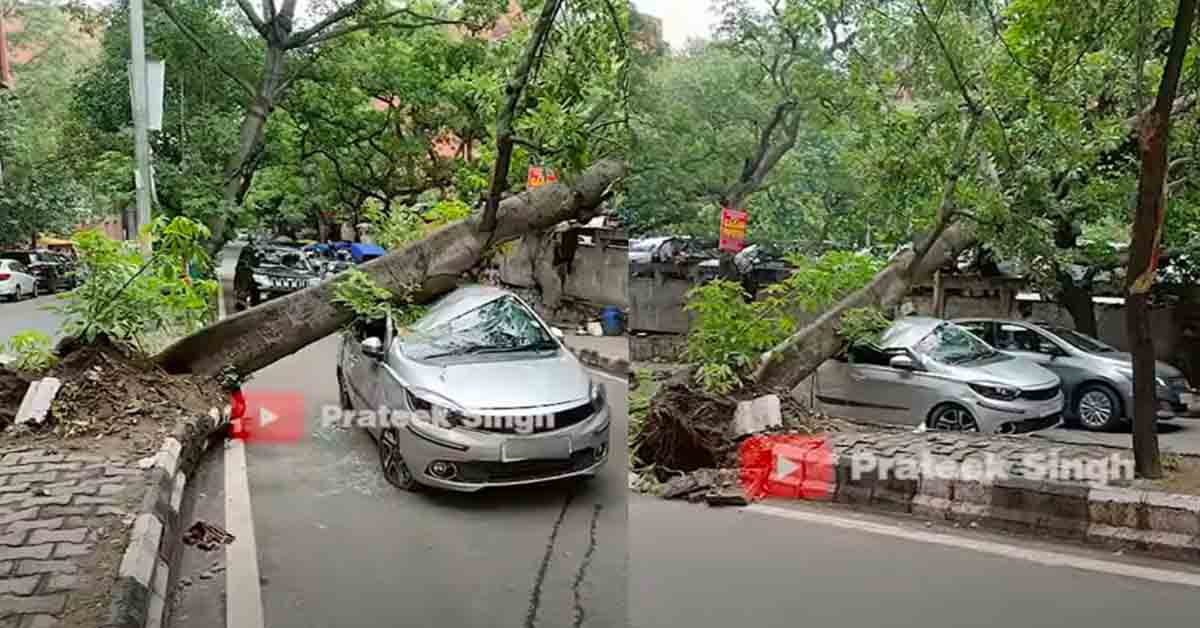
<point x="726" y="490"/>
<point x="696" y="482"/>
<point x="206" y="536"/>
<point x="35" y="407"/>
<point x="757" y="415"/>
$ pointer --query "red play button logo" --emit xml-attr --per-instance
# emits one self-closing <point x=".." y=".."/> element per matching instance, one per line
<point x="790" y="466"/>
<point x="267" y="416"/>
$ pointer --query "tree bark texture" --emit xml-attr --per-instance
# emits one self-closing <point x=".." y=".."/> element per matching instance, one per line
<point x="1153" y="135"/>
<point x="255" y="338"/>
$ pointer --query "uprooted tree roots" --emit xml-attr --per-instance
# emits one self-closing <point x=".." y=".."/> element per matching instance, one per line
<point x="688" y="429"/>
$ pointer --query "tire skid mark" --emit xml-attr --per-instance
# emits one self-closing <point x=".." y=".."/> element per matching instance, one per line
<point x="535" y="596"/>
<point x="580" y="614"/>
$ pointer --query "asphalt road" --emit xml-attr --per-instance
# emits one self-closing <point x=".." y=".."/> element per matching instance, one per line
<point x="28" y="314"/>
<point x="338" y="546"/>
<point x="696" y="567"/>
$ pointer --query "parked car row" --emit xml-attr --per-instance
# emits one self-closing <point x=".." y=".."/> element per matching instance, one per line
<point x="32" y="273"/>
<point x="984" y="375"/>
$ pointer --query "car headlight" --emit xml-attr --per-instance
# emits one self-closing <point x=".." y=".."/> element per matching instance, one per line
<point x="261" y="279"/>
<point x="997" y="391"/>
<point x="598" y="395"/>
<point x="433" y="414"/>
<point x="1128" y="373"/>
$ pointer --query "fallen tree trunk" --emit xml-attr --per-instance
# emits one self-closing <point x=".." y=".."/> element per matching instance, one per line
<point x="786" y="365"/>
<point x="255" y="338"/>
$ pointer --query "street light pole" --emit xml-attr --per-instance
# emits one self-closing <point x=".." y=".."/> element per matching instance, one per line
<point x="141" y="144"/>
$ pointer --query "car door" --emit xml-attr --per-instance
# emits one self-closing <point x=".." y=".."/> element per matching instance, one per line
<point x="985" y="330"/>
<point x="25" y="277"/>
<point x="864" y="386"/>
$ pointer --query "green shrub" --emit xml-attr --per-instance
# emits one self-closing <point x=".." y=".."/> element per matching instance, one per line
<point x="728" y="332"/>
<point x="31" y="351"/>
<point x="368" y="301"/>
<point x="126" y="297"/>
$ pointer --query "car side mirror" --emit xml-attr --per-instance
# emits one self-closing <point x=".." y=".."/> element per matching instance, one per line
<point x="558" y="333"/>
<point x="373" y="348"/>
<point x="902" y="362"/>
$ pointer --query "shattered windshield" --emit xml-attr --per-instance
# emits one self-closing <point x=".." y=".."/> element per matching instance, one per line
<point x="951" y="344"/>
<point x="502" y="325"/>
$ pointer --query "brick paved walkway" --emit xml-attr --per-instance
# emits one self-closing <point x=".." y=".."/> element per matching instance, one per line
<point x="63" y="517"/>
<point x="1010" y="453"/>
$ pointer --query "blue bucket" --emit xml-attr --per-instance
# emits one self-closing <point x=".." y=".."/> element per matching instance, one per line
<point x="612" y="320"/>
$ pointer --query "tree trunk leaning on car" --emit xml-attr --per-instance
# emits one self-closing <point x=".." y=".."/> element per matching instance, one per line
<point x="1154" y="126"/>
<point x="252" y="339"/>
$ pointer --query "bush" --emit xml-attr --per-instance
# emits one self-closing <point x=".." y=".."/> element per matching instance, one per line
<point x="728" y="332"/>
<point x="357" y="292"/>
<point x="31" y="351"/>
<point x="126" y="297"/>
<point x="406" y="224"/>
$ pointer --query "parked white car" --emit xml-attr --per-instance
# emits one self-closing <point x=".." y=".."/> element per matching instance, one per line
<point x="16" y="281"/>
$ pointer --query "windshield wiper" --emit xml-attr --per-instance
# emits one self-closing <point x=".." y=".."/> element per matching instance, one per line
<point x="458" y="351"/>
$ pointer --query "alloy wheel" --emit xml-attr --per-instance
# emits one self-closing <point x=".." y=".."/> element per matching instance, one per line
<point x="1096" y="409"/>
<point x="954" y="419"/>
<point x="395" y="471"/>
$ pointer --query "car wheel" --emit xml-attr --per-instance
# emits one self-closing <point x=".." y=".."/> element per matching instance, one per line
<point x="36" y="291"/>
<point x="16" y="296"/>
<point x="395" y="471"/>
<point x="952" y="417"/>
<point x="1097" y="408"/>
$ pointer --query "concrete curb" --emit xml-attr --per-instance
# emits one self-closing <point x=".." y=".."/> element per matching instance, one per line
<point x="139" y="594"/>
<point x="613" y="366"/>
<point x="1160" y="524"/>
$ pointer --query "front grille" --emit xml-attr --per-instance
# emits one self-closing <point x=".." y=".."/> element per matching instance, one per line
<point x="480" y="472"/>
<point x="565" y="418"/>
<point x="1042" y="394"/>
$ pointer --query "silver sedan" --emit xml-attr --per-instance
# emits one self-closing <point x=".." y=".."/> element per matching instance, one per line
<point x="933" y="373"/>
<point x="480" y="392"/>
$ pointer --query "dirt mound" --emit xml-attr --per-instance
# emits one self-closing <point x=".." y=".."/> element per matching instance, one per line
<point x="107" y="387"/>
<point x="12" y="390"/>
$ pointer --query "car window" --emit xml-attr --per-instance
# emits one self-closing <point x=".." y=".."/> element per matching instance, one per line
<point x="869" y="354"/>
<point x="982" y="329"/>
<point x="500" y="325"/>
<point x="18" y="257"/>
<point x="1020" y="338"/>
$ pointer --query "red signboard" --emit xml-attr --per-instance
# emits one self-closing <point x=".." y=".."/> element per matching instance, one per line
<point x="733" y="230"/>
<point x="539" y="176"/>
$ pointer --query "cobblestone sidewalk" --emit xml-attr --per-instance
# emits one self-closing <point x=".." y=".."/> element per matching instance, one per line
<point x="62" y="521"/>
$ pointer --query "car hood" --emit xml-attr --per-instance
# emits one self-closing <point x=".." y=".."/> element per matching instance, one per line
<point x="1125" y="360"/>
<point x="502" y="382"/>
<point x="1009" y="370"/>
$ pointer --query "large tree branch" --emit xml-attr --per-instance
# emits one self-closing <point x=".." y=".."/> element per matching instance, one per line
<point x="954" y="70"/>
<point x="257" y="22"/>
<point x="198" y="42"/>
<point x="504" y="120"/>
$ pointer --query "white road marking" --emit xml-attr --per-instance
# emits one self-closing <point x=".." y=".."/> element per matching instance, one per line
<point x="243" y="593"/>
<point x="243" y="590"/>
<point x="1041" y="557"/>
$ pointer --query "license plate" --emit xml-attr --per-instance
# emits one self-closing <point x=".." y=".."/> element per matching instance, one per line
<point x="1187" y="398"/>
<point x="1050" y="408"/>
<point x="517" y="449"/>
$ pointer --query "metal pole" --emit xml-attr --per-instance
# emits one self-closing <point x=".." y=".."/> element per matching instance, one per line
<point x="141" y="146"/>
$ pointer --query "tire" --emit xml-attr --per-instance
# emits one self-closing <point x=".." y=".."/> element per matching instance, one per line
<point x="1097" y="408"/>
<point x="36" y="291"/>
<point x="395" y="471"/>
<point x="952" y="417"/>
<point x="16" y="296"/>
